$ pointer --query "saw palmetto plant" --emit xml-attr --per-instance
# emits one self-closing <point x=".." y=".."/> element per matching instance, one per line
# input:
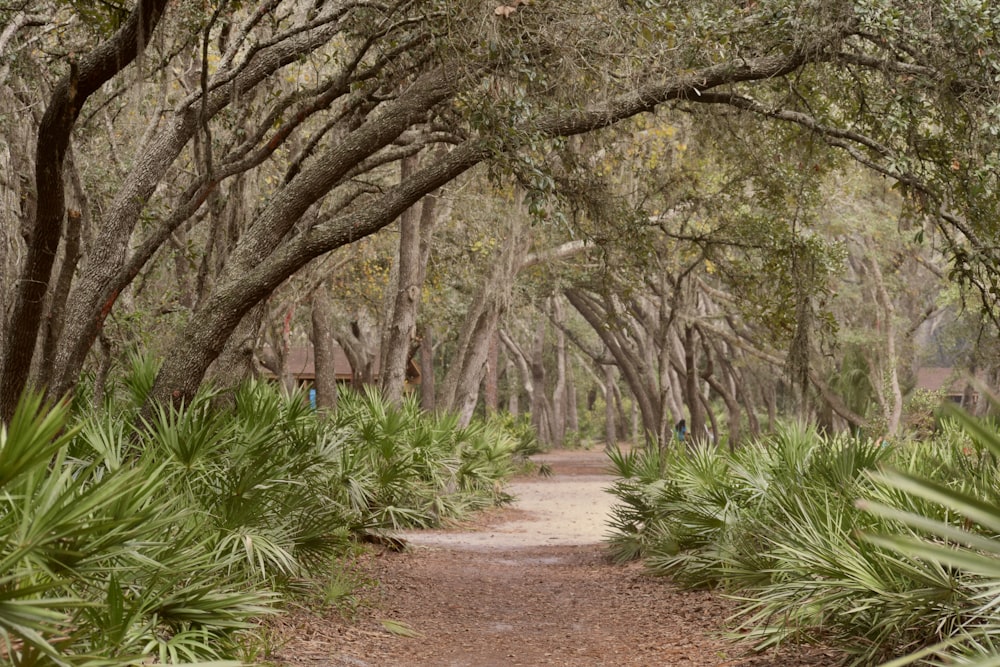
<point x="168" y="539"/>
<point x="887" y="553"/>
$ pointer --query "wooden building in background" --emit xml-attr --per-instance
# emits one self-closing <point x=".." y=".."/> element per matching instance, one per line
<point x="300" y="365"/>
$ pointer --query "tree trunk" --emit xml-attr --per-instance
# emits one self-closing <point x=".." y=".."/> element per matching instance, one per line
<point x="572" y="416"/>
<point x="490" y="385"/>
<point x="357" y="340"/>
<point x="696" y="421"/>
<point x="513" y="388"/>
<point x="637" y="437"/>
<point x="416" y="226"/>
<point x="427" y="390"/>
<point x="235" y="363"/>
<point x="325" y="382"/>
<point x="401" y="329"/>
<point x="610" y="437"/>
<point x="711" y="420"/>
<point x="893" y="413"/>
<point x="559" y="391"/>
<point x="461" y="385"/>
<point x="743" y="391"/>
<point x="101" y="377"/>
<point x="85" y="78"/>
<point x="732" y="405"/>
<point x="517" y="355"/>
<point x="541" y="409"/>
<point x="57" y="304"/>
<point x="632" y="367"/>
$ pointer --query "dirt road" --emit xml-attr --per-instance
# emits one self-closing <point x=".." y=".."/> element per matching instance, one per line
<point x="529" y="585"/>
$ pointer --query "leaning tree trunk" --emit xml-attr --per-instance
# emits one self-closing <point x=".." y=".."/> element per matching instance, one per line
<point x="513" y="388"/>
<point x="634" y="370"/>
<point x="893" y="413"/>
<point x="235" y="363"/>
<point x="358" y="341"/>
<point x="55" y="319"/>
<point x="85" y="77"/>
<point x="491" y="393"/>
<point x="541" y="409"/>
<point x="559" y="391"/>
<point x="572" y="415"/>
<point x="517" y="356"/>
<point x="80" y="223"/>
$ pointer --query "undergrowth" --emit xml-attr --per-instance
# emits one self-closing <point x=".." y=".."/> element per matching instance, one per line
<point x="880" y="551"/>
<point x="168" y="539"/>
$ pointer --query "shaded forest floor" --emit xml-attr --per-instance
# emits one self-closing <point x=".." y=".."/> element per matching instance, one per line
<point x="526" y="585"/>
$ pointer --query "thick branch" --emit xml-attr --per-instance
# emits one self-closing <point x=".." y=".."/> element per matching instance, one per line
<point x="57" y="123"/>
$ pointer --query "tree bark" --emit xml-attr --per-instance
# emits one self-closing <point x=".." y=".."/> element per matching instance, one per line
<point x="559" y="391"/>
<point x="491" y="381"/>
<point x="57" y="305"/>
<point x="358" y="340"/>
<point x="401" y="329"/>
<point x="895" y="411"/>
<point x="427" y="389"/>
<point x="513" y="388"/>
<point x="541" y="409"/>
<point x="416" y="228"/>
<point x="235" y="364"/>
<point x="696" y="420"/>
<point x="729" y="397"/>
<point x="517" y="356"/>
<point x="610" y="436"/>
<point x="572" y="415"/>
<point x="84" y="78"/>
<point x="460" y="391"/>
<point x="325" y="381"/>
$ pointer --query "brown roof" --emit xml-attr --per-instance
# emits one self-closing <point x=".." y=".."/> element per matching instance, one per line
<point x="934" y="378"/>
<point x="301" y="364"/>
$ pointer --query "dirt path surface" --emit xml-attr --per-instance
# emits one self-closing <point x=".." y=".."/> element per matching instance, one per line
<point x="528" y="585"/>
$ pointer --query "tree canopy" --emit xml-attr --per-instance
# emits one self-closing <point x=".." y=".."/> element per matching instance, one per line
<point x="249" y="139"/>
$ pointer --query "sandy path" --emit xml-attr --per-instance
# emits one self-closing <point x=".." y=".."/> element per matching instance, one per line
<point x="569" y="508"/>
<point x="529" y="586"/>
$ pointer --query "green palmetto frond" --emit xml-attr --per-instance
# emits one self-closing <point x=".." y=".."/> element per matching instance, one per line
<point x="140" y="373"/>
<point x="31" y="608"/>
<point x="961" y="541"/>
<point x="35" y="433"/>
